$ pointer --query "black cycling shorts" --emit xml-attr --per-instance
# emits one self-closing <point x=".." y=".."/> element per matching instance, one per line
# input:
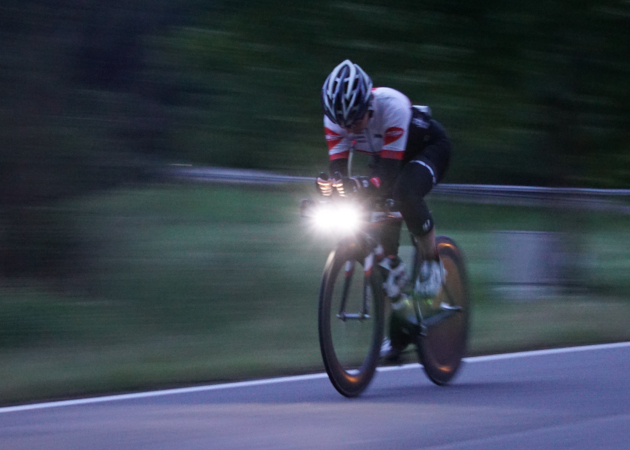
<point x="420" y="174"/>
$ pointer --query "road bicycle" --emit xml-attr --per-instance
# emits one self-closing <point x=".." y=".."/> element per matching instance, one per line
<point x="353" y="303"/>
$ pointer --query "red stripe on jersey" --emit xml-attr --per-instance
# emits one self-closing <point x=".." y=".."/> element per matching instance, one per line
<point x="391" y="154"/>
<point x="392" y="134"/>
<point x="332" y="138"/>
<point x="341" y="155"/>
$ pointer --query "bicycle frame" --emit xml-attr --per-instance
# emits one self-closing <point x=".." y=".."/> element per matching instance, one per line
<point x="359" y="246"/>
<point x="365" y="237"/>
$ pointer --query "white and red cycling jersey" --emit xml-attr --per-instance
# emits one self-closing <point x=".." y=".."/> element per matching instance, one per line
<point x="410" y="154"/>
<point x="386" y="133"/>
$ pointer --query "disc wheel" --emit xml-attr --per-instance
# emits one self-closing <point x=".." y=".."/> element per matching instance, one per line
<point x="351" y="318"/>
<point x="442" y="346"/>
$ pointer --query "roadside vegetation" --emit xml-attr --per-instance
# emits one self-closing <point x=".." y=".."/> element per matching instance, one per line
<point x="204" y="283"/>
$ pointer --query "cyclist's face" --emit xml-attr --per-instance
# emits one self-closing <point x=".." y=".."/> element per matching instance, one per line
<point x="359" y="125"/>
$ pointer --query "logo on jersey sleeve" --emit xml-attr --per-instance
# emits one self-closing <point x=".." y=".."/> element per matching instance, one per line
<point x="392" y="134"/>
<point x="332" y="138"/>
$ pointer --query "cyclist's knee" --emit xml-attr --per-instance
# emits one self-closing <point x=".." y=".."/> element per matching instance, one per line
<point x="417" y="216"/>
<point x="421" y="226"/>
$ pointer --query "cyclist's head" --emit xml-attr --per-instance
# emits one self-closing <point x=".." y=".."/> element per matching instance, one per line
<point x="346" y="94"/>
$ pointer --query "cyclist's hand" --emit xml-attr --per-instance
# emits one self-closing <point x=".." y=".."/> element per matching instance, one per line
<point x="345" y="186"/>
<point x="324" y="185"/>
<point x="354" y="185"/>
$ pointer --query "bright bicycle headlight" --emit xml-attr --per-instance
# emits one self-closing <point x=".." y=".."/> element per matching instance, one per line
<point x="324" y="217"/>
<point x="337" y="218"/>
<point x="349" y="219"/>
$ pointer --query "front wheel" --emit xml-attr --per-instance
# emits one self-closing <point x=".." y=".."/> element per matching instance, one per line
<point x="351" y="318"/>
<point x="442" y="343"/>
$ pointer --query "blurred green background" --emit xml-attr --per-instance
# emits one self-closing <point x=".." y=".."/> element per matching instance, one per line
<point x="113" y="278"/>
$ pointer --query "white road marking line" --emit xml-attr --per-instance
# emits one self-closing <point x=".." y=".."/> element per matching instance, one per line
<point x="241" y="384"/>
<point x="551" y="351"/>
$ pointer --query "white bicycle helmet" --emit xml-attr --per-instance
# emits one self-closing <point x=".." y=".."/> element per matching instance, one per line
<point x="346" y="94"/>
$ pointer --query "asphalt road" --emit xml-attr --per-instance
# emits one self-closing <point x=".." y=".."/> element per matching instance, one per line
<point x="565" y="399"/>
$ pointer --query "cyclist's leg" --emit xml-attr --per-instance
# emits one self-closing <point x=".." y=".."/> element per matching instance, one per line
<point x="420" y="175"/>
<point x="394" y="276"/>
<point x="416" y="180"/>
<point x="426" y="245"/>
<point x="390" y="238"/>
<point x="392" y="268"/>
<point x="414" y="183"/>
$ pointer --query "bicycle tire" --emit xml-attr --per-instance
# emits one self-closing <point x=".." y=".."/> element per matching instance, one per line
<point x="350" y="369"/>
<point x="441" y="347"/>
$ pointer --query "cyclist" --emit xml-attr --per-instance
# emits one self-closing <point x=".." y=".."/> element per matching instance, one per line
<point x="410" y="153"/>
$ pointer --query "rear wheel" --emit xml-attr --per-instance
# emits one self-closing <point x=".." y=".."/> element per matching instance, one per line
<point x="442" y="345"/>
<point x="351" y="321"/>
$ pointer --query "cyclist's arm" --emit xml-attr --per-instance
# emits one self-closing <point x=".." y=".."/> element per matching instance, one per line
<point x="339" y="165"/>
<point x="338" y="147"/>
<point x="386" y="170"/>
<point x="397" y="115"/>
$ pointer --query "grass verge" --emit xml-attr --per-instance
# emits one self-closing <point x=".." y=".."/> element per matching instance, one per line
<point x="195" y="284"/>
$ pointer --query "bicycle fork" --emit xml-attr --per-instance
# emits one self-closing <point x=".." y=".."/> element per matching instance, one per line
<point x="349" y="273"/>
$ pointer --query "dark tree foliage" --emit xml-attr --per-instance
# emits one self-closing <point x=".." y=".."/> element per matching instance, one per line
<point x="75" y="116"/>
<point x="532" y="93"/>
